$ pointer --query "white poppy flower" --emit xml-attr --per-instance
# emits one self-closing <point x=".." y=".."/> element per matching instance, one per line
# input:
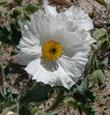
<point x="55" y="50"/>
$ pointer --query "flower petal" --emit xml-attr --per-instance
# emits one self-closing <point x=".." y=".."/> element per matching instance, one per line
<point x="77" y="15"/>
<point x="56" y="78"/>
<point x="73" y="14"/>
<point x="24" y="59"/>
<point x="29" y="43"/>
<point x="75" y="66"/>
<point x="46" y="25"/>
<point x="48" y="8"/>
<point x="73" y="42"/>
<point x="30" y="36"/>
<point x="30" y="50"/>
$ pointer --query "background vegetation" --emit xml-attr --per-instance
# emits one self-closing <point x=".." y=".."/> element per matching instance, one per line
<point x="22" y="95"/>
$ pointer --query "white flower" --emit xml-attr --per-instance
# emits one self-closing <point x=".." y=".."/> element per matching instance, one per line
<point x="55" y="48"/>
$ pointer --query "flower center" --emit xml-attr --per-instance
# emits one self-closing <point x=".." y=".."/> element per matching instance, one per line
<point x="52" y="50"/>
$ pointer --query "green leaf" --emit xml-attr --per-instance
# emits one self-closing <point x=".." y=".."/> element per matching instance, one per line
<point x="94" y="47"/>
<point x="15" y="13"/>
<point x="100" y="34"/>
<point x="69" y="101"/>
<point x="39" y="112"/>
<point x="98" y="77"/>
<point x="105" y="45"/>
<point x="15" y="34"/>
<point x="4" y="35"/>
<point x="21" y="23"/>
<point x="31" y="8"/>
<point x="83" y="94"/>
<point x="38" y="93"/>
<point x="85" y="107"/>
<point x="11" y="37"/>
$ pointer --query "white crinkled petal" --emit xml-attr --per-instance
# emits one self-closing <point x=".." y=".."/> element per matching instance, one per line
<point x="29" y="43"/>
<point x="34" y="50"/>
<point x="48" y="8"/>
<point x="24" y="59"/>
<point x="73" y="42"/>
<point x="30" y="35"/>
<point x="73" y="14"/>
<point x="46" y="25"/>
<point x="75" y="66"/>
<point x="56" y="78"/>
<point x="77" y="15"/>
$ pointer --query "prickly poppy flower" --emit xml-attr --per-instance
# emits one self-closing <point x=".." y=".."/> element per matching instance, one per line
<point x="55" y="47"/>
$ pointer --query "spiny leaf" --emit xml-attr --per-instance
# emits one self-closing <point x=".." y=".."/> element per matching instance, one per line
<point x="69" y="101"/>
<point x="105" y="45"/>
<point x="98" y="77"/>
<point x="15" y="13"/>
<point x="100" y="34"/>
<point x="31" y="8"/>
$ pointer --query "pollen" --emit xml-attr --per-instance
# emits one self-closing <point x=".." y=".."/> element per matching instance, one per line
<point x="52" y="50"/>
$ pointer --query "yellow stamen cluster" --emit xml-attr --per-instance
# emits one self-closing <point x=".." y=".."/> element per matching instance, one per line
<point x="52" y="50"/>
